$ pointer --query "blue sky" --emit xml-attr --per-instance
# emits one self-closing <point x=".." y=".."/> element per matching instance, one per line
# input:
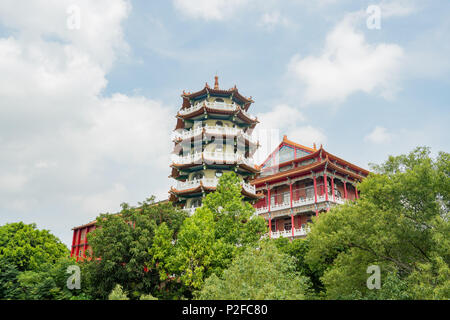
<point x="86" y="113"/>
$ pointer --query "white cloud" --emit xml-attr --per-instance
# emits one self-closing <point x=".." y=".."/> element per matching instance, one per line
<point x="209" y="9"/>
<point x="379" y="135"/>
<point x="397" y="8"/>
<point x="284" y="120"/>
<point x="348" y="64"/>
<point x="68" y="152"/>
<point x="270" y="20"/>
<point x="307" y="135"/>
<point x="281" y="116"/>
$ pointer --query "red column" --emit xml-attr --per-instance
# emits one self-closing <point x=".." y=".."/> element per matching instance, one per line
<point x="78" y="243"/>
<point x="332" y="188"/>
<point x="85" y="242"/>
<point x="73" y="243"/>
<point x="345" y="190"/>
<point x="292" y="215"/>
<point x="356" y="192"/>
<point x="290" y="191"/>
<point x="270" y="219"/>
<point x="315" y="189"/>
<point x="325" y="183"/>
<point x="292" y="224"/>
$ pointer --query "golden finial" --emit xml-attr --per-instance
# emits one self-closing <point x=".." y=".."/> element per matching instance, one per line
<point x="216" y="83"/>
<point x="315" y="146"/>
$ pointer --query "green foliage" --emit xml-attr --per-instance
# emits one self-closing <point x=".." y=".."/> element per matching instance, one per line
<point x="49" y="283"/>
<point x="210" y="239"/>
<point x="118" y="294"/>
<point x="33" y="264"/>
<point x="27" y="248"/>
<point x="258" y="274"/>
<point x="400" y="223"/>
<point x="147" y="297"/>
<point x="431" y="280"/>
<point x="298" y="248"/>
<point x="8" y="279"/>
<point x="123" y="241"/>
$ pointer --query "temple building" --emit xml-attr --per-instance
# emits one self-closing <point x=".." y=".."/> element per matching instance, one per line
<point x="298" y="183"/>
<point x="212" y="136"/>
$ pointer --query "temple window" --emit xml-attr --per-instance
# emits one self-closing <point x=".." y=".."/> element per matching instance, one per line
<point x="197" y="176"/>
<point x="196" y="203"/>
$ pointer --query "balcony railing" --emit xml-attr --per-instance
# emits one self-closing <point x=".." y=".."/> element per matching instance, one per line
<point x="288" y="233"/>
<point x="189" y="159"/>
<point x="222" y="106"/>
<point x="211" y="105"/>
<point x="211" y="183"/>
<point x="214" y="130"/>
<point x="190" y="210"/>
<point x="248" y="115"/>
<point x="248" y="187"/>
<point x="213" y="157"/>
<point x="298" y="203"/>
<point x="191" y="109"/>
<point x="187" y="134"/>
<point x="216" y="105"/>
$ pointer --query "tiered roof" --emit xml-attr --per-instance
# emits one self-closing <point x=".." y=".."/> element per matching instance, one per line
<point x="323" y="159"/>
<point x="217" y="91"/>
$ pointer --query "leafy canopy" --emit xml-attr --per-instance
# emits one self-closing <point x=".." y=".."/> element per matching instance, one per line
<point x="122" y="243"/>
<point x="28" y="248"/>
<point x="258" y="274"/>
<point x="400" y="223"/>
<point x="209" y="239"/>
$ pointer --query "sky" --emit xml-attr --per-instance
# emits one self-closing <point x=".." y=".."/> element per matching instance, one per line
<point x="89" y="90"/>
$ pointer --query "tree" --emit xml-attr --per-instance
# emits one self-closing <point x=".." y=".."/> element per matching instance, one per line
<point x="210" y="239"/>
<point x="400" y="223"/>
<point x="298" y="248"/>
<point x="49" y="283"/>
<point x="118" y="294"/>
<point x="120" y="250"/>
<point x="8" y="279"/>
<point x="28" y="248"/>
<point x="258" y="274"/>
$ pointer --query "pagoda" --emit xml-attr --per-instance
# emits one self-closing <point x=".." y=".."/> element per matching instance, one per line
<point x="213" y="135"/>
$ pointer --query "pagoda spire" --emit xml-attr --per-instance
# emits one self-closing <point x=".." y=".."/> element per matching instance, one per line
<point x="216" y="83"/>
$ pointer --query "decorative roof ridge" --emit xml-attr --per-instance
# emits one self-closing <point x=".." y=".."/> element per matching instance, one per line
<point x="286" y="140"/>
<point x="216" y="89"/>
<point x="290" y="171"/>
<point x="332" y="156"/>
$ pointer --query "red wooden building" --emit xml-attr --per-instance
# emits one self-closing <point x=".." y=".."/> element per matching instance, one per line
<point x="299" y="182"/>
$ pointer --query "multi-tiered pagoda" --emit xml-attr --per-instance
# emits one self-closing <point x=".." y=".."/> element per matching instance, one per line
<point x="212" y="136"/>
